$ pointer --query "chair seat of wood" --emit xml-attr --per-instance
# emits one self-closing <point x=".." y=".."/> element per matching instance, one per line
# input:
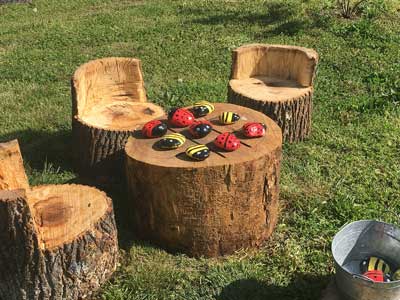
<point x="121" y="115"/>
<point x="269" y="89"/>
<point x="63" y="212"/>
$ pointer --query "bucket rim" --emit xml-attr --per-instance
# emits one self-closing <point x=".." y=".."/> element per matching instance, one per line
<point x="364" y="280"/>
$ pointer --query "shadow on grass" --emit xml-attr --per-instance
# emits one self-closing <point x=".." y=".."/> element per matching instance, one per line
<point x="303" y="286"/>
<point x="38" y="147"/>
<point x="279" y="18"/>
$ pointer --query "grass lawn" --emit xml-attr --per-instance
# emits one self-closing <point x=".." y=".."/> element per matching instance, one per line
<point x="348" y="170"/>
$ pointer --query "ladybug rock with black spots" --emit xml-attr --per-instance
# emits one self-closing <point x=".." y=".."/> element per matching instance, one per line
<point x="200" y="128"/>
<point x="254" y="129"/>
<point x="227" y="141"/>
<point x="154" y="129"/>
<point x="180" y="117"/>
<point x="377" y="276"/>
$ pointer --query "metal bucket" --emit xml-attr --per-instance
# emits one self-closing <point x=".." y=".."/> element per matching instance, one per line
<point x="357" y="241"/>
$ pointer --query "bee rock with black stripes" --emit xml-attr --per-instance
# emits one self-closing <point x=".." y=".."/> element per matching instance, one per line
<point x="202" y="108"/>
<point x="198" y="152"/>
<point x="228" y="117"/>
<point x="374" y="264"/>
<point x="171" y="141"/>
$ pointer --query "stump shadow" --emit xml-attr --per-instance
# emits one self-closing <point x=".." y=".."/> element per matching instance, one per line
<point x="41" y="146"/>
<point x="302" y="286"/>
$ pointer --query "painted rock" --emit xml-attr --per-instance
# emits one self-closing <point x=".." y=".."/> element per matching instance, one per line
<point x="198" y="152"/>
<point x="396" y="275"/>
<point x="202" y="108"/>
<point x="374" y="264"/>
<point x="180" y="117"/>
<point x="200" y="128"/>
<point x="171" y="141"/>
<point x="154" y="128"/>
<point x="377" y="276"/>
<point x="254" y="129"/>
<point x="228" y="117"/>
<point x="227" y="141"/>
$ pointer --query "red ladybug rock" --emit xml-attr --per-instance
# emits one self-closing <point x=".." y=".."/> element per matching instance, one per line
<point x="154" y="128"/>
<point x="227" y="141"/>
<point x="377" y="276"/>
<point x="180" y="117"/>
<point x="254" y="129"/>
<point x="200" y="128"/>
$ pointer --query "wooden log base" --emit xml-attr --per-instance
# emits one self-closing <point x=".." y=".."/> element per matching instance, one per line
<point x="56" y="241"/>
<point x="206" y="208"/>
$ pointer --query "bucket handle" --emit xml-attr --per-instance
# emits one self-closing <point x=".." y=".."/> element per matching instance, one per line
<point x="358" y="276"/>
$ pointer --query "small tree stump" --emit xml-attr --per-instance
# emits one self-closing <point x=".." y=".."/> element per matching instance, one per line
<point x="278" y="81"/>
<point x="108" y="104"/>
<point x="212" y="207"/>
<point x="56" y="241"/>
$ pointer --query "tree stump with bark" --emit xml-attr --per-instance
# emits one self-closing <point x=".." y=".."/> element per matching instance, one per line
<point x="108" y="103"/>
<point x="56" y="241"/>
<point x="277" y="81"/>
<point x="206" y="208"/>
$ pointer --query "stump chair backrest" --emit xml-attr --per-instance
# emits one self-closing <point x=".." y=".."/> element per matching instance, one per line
<point x="277" y="61"/>
<point x="12" y="172"/>
<point x="106" y="80"/>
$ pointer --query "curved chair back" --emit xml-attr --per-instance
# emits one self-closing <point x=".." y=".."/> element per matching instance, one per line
<point x="105" y="80"/>
<point x="276" y="61"/>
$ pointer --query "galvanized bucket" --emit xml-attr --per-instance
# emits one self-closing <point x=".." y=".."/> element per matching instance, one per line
<point x="353" y="243"/>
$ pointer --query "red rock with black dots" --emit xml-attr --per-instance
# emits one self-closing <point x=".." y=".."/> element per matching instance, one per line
<point x="227" y="141"/>
<point x="180" y="117"/>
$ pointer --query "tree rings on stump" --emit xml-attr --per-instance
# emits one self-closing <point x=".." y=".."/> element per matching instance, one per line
<point x="212" y="207"/>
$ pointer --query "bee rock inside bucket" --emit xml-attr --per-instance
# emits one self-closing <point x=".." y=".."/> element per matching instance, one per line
<point x="367" y="261"/>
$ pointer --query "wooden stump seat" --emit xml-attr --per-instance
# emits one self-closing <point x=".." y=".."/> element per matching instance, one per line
<point x="108" y="103"/>
<point x="278" y="81"/>
<point x="206" y="208"/>
<point x="56" y="241"/>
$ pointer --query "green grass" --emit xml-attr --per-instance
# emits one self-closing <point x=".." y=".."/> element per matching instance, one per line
<point x="348" y="170"/>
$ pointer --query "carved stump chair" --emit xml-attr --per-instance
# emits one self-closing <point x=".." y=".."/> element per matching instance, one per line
<point x="56" y="241"/>
<point x="278" y="81"/>
<point x="108" y="103"/>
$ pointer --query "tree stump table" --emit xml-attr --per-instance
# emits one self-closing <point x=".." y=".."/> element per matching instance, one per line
<point x="108" y="103"/>
<point x="212" y="207"/>
<point x="56" y="241"/>
<point x="278" y="81"/>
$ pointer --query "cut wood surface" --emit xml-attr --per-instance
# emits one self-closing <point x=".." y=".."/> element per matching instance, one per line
<point x="56" y="241"/>
<point x="278" y="81"/>
<point x="108" y="103"/>
<point x="212" y="207"/>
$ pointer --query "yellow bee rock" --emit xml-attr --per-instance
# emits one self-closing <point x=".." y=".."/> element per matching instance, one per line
<point x="171" y="141"/>
<point x="374" y="264"/>
<point x="198" y="152"/>
<point x="228" y="117"/>
<point x="202" y="108"/>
